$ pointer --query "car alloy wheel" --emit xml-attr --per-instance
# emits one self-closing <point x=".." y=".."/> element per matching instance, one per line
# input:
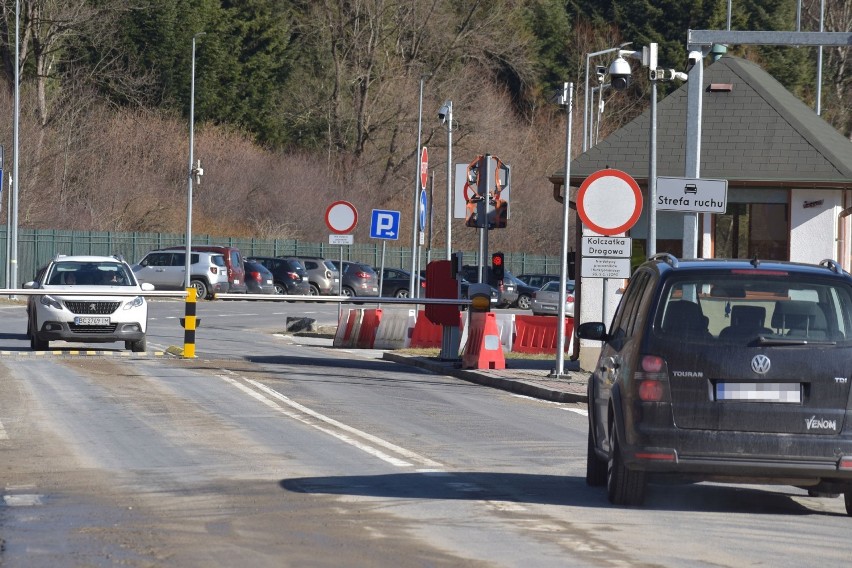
<point x="402" y="293"/>
<point x="624" y="486"/>
<point x="524" y="302"/>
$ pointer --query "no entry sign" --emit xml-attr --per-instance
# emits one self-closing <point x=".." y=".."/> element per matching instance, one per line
<point x="609" y="202"/>
<point x="341" y="217"/>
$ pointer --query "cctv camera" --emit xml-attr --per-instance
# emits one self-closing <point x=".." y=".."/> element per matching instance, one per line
<point x="693" y="58"/>
<point x="445" y="110"/>
<point x="600" y="69"/>
<point x="620" y="74"/>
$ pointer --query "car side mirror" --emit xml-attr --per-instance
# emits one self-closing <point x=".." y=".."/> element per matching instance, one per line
<point x="594" y="330"/>
<point x="31" y="284"/>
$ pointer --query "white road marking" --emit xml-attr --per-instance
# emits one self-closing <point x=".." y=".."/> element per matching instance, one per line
<point x="580" y="411"/>
<point x="3" y="434"/>
<point x="304" y="414"/>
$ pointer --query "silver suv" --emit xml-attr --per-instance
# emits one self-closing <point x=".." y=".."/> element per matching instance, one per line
<point x="322" y="275"/>
<point x="165" y="269"/>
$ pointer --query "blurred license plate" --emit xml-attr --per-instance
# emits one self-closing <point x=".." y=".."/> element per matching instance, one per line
<point x="269" y="281"/>
<point x="89" y="320"/>
<point x="759" y="392"/>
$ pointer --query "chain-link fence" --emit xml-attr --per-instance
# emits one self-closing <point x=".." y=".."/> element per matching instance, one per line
<point x="37" y="246"/>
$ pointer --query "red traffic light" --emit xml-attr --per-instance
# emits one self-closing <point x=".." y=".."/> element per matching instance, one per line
<point x="497" y="259"/>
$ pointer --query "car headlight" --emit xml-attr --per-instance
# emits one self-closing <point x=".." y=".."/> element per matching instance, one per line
<point x="134" y="303"/>
<point x="50" y="302"/>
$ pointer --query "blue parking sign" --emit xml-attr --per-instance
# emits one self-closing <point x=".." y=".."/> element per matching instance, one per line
<point x="384" y="224"/>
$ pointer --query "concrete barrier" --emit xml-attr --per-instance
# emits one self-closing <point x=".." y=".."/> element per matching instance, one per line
<point x="392" y="331"/>
<point x="537" y="334"/>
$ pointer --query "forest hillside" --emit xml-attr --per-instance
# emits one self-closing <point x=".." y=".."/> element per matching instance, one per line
<point x="301" y="103"/>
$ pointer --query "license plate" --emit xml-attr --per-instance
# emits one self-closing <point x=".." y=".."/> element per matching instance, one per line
<point x="269" y="281"/>
<point x="89" y="320"/>
<point x="759" y="392"/>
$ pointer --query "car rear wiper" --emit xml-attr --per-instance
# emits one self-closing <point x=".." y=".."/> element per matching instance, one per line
<point x="763" y="340"/>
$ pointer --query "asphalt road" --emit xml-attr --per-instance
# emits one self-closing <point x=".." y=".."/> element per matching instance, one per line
<point x="264" y="451"/>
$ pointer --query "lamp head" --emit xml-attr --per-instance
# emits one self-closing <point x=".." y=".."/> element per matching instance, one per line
<point x="446" y="111"/>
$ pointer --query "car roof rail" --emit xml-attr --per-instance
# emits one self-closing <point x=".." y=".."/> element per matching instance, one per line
<point x="119" y="257"/>
<point x="57" y="256"/>
<point x="831" y="265"/>
<point x="667" y="258"/>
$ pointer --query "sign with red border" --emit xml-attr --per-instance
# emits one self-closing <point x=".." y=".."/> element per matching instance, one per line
<point x="341" y="217"/>
<point x="609" y="202"/>
<point x="424" y="167"/>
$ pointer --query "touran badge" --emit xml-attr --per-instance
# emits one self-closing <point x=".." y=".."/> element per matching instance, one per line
<point x="760" y="364"/>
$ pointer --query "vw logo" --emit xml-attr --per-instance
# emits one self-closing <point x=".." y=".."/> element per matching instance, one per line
<point x="760" y="364"/>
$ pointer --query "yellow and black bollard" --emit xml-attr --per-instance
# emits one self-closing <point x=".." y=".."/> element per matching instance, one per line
<point x="189" y="324"/>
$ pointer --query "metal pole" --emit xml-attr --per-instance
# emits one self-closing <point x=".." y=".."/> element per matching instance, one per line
<point x="415" y="225"/>
<point x="652" y="176"/>
<point x="692" y="167"/>
<point x="819" y="60"/>
<point x="568" y="101"/>
<point x="382" y="268"/>
<point x="449" y="179"/>
<point x="187" y="261"/>
<point x="482" y="214"/>
<point x="13" y="240"/>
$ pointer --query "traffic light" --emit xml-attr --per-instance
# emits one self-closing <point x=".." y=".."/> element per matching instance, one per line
<point x="497" y="265"/>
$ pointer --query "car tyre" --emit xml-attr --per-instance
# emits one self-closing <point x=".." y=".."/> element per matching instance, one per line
<point x="848" y="498"/>
<point x="524" y="302"/>
<point x="200" y="289"/>
<point x="624" y="486"/>
<point x="37" y="344"/>
<point x="596" y="468"/>
<point x="401" y="293"/>
<point x="348" y="292"/>
<point x="315" y="291"/>
<point x="280" y="288"/>
<point x="138" y="346"/>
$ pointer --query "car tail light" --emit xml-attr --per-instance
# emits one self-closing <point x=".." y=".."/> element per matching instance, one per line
<point x="254" y="275"/>
<point x="652" y="379"/>
<point x="845" y="463"/>
<point x="422" y="283"/>
<point x="569" y="299"/>
<point x="664" y="455"/>
<point x="293" y="276"/>
<point x="362" y="274"/>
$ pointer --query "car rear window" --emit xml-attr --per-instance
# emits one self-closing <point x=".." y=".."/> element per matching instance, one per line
<point x="742" y="307"/>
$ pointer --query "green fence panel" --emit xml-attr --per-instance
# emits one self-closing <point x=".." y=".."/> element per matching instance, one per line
<point x="36" y="247"/>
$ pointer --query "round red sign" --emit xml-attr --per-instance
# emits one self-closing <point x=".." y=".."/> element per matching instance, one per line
<point x="424" y="167"/>
<point x="609" y="202"/>
<point x="341" y="217"/>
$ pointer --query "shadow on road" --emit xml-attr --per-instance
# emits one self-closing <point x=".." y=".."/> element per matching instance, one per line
<point x="555" y="490"/>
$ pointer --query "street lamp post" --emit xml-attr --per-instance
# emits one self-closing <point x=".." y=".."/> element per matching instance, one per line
<point x="192" y="170"/>
<point x="414" y="216"/>
<point x="446" y="115"/>
<point x="586" y="92"/>
<point x="567" y="100"/>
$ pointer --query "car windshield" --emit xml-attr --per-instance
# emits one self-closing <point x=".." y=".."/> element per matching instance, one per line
<point x="73" y="273"/>
<point x="772" y="306"/>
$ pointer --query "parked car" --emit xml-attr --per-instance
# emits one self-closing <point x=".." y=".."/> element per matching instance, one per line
<point x="525" y="291"/>
<point x="537" y="280"/>
<point x="166" y="270"/>
<point x="259" y="279"/>
<point x="495" y="294"/>
<point x="545" y="301"/>
<point x="724" y="370"/>
<point x="323" y="276"/>
<point x="233" y="261"/>
<point x="396" y="283"/>
<point x="91" y="318"/>
<point x="288" y="274"/>
<point x="508" y="290"/>
<point x="358" y="279"/>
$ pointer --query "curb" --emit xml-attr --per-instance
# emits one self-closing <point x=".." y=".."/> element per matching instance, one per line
<point x="517" y="386"/>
